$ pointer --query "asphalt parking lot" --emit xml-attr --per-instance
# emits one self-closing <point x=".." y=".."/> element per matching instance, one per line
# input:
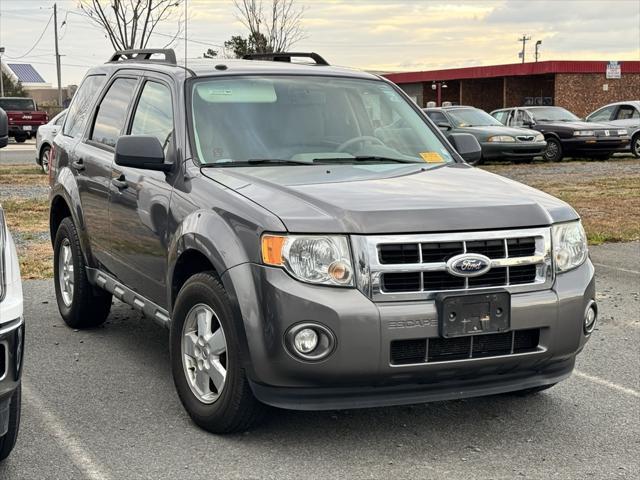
<point x="100" y="404"/>
<point x="19" y="153"/>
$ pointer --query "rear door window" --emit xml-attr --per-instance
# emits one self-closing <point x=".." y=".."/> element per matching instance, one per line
<point x="80" y="107"/>
<point x="626" y="112"/>
<point x="154" y="113"/>
<point x="112" y="112"/>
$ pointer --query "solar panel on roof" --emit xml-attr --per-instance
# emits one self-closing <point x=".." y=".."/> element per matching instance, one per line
<point x="26" y="73"/>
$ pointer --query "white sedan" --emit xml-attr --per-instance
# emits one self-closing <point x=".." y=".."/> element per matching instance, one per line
<point x="44" y="140"/>
<point x="621" y="114"/>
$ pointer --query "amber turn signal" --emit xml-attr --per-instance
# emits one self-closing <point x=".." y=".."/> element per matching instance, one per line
<point x="272" y="249"/>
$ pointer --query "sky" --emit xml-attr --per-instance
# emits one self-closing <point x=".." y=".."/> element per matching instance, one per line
<point x="383" y="35"/>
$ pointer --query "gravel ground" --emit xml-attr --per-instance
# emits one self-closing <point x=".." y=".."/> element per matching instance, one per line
<point x="24" y="191"/>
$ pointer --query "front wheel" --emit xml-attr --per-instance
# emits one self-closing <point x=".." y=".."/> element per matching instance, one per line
<point x="8" y="440"/>
<point x="21" y="138"/>
<point x="81" y="304"/>
<point x="206" y="360"/>
<point x="635" y="145"/>
<point x="553" y="152"/>
<point x="45" y="159"/>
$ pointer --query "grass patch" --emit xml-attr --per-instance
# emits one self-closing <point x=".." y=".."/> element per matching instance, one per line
<point x="27" y="219"/>
<point x="22" y="175"/>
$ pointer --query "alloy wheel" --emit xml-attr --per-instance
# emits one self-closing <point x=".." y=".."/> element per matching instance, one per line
<point x="636" y="146"/>
<point x="65" y="272"/>
<point x="204" y="353"/>
<point x="46" y="157"/>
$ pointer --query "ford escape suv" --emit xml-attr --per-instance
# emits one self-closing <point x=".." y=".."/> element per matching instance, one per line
<point x="309" y="237"/>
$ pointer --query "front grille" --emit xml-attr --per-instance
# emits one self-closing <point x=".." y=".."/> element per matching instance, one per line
<point x="414" y="266"/>
<point x="425" y="350"/>
<point x="525" y="138"/>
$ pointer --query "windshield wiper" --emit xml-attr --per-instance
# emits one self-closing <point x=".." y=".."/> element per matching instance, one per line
<point x="256" y="161"/>
<point x="364" y="158"/>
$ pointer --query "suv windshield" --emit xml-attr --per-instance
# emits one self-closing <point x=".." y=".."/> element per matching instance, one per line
<point x="19" y="104"/>
<point x="472" y="117"/>
<point x="552" y="114"/>
<point x="304" y="120"/>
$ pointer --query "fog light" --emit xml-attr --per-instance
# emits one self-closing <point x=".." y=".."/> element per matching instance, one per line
<point x="590" y="317"/>
<point x="310" y="341"/>
<point x="306" y="340"/>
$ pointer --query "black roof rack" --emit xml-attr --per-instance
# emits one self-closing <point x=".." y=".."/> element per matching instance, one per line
<point x="145" y="55"/>
<point x="286" y="57"/>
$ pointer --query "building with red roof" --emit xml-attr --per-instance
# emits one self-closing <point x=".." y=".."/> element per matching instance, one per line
<point x="579" y="86"/>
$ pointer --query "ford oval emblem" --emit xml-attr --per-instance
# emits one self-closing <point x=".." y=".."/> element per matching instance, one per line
<point x="468" y="265"/>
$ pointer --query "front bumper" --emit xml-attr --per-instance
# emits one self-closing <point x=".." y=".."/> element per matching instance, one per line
<point x="512" y="151"/>
<point x="595" y="144"/>
<point x="359" y="372"/>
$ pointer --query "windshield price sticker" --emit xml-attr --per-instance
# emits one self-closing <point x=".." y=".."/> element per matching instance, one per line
<point x="431" y="157"/>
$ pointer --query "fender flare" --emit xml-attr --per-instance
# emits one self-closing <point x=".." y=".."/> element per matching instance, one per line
<point x="66" y="189"/>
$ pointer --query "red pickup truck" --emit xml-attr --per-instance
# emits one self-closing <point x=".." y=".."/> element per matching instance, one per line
<point x="24" y="117"/>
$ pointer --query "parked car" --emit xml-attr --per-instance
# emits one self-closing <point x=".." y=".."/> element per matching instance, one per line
<point x="565" y="133"/>
<point x="4" y="129"/>
<point x="621" y="115"/>
<point x="310" y="239"/>
<point x="24" y="117"/>
<point x="498" y="142"/>
<point x="11" y="334"/>
<point x="44" y="140"/>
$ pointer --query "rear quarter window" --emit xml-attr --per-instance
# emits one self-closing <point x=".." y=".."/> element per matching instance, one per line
<point x="80" y="107"/>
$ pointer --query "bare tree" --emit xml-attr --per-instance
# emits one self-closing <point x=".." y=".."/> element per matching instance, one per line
<point x="280" y="23"/>
<point x="128" y="24"/>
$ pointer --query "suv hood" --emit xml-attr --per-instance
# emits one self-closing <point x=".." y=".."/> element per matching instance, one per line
<point x="399" y="199"/>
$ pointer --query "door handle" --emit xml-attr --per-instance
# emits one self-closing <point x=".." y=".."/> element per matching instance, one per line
<point x="120" y="183"/>
<point x="78" y="164"/>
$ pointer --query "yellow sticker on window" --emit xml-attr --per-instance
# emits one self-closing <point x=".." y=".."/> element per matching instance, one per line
<point x="431" y="157"/>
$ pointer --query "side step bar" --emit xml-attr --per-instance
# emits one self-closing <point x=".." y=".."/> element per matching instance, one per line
<point x="128" y="296"/>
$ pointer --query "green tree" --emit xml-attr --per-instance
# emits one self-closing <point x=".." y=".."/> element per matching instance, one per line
<point x="239" y="46"/>
<point x="12" y="89"/>
<point x="210" y="53"/>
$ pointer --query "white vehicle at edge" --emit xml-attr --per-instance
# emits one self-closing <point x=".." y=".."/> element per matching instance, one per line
<point x="44" y="140"/>
<point x="11" y="340"/>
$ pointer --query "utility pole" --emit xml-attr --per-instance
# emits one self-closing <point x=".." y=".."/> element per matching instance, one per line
<point x="524" y="41"/>
<point x="538" y="43"/>
<point x="1" y="80"/>
<point x="55" y="30"/>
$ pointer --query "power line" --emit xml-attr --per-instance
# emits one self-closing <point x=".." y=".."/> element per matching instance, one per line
<point x="37" y="41"/>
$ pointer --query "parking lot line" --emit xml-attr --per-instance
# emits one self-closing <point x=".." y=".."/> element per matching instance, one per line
<point x="78" y="455"/>
<point x="617" y="268"/>
<point x="606" y="383"/>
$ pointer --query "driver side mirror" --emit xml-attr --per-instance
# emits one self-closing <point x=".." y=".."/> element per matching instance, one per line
<point x="141" y="151"/>
<point x="467" y="146"/>
<point x="4" y="129"/>
<point x="528" y="123"/>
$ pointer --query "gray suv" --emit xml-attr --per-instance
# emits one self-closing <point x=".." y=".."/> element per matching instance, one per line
<point x="310" y="239"/>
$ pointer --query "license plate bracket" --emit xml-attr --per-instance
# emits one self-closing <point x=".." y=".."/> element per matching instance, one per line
<point x="475" y="314"/>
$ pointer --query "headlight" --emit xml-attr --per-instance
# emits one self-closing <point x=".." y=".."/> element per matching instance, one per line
<point x="569" y="245"/>
<point x="584" y="133"/>
<point x="623" y="132"/>
<point x="319" y="259"/>
<point x="501" y="138"/>
<point x="3" y="241"/>
<point x="539" y="138"/>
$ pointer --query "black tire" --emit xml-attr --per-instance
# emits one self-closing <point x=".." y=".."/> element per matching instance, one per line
<point x="236" y="408"/>
<point x="8" y="440"/>
<point x="21" y="139"/>
<point x="635" y="145"/>
<point x="43" y="159"/>
<point x="553" y="152"/>
<point x="89" y="305"/>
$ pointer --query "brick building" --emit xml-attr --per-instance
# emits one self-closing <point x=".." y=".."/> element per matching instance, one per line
<point x="579" y="86"/>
